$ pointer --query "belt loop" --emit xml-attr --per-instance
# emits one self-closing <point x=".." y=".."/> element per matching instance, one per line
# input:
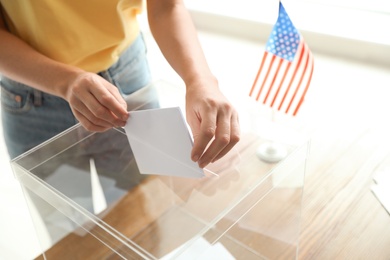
<point x="37" y="97"/>
<point x="107" y="76"/>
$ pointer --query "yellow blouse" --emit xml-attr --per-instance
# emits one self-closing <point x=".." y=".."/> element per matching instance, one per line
<point x="89" y="34"/>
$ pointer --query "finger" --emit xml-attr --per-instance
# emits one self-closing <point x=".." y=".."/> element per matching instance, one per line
<point x="87" y="124"/>
<point x="234" y="137"/>
<point x="221" y="140"/>
<point x="82" y="109"/>
<point x="99" y="109"/>
<point x="110" y="101"/>
<point x="115" y="92"/>
<point x="204" y="134"/>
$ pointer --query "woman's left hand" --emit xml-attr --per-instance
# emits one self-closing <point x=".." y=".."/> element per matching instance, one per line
<point x="213" y="121"/>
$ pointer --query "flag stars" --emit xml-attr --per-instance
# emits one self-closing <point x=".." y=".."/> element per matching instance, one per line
<point x="283" y="35"/>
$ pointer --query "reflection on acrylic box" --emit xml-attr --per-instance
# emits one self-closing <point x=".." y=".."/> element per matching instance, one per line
<point x="381" y="188"/>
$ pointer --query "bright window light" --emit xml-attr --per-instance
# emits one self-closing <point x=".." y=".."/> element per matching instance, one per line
<point x="351" y="19"/>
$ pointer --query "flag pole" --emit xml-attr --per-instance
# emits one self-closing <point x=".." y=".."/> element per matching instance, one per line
<point x="271" y="151"/>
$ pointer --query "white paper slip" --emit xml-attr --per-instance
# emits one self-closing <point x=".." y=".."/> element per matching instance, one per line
<point x="161" y="143"/>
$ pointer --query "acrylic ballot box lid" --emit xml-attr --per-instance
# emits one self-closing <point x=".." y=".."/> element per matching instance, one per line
<point x="88" y="199"/>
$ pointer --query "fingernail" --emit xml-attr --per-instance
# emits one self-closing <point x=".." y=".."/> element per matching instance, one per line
<point x="119" y="123"/>
<point x="202" y="164"/>
<point x="195" y="158"/>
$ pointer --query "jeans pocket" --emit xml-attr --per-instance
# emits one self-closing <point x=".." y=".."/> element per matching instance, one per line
<point x="13" y="100"/>
<point x="132" y="71"/>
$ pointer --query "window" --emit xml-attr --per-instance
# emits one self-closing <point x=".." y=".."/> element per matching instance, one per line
<point x="351" y="19"/>
<point x="379" y="6"/>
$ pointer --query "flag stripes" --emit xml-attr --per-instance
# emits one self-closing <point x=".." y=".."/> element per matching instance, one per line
<point x="279" y="82"/>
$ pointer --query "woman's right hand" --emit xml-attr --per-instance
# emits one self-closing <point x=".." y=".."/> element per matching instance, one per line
<point x="96" y="103"/>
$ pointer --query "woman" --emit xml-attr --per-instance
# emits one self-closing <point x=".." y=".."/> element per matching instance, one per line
<point x="69" y="61"/>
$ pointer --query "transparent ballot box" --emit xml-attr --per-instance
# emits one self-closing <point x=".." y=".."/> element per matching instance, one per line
<point x="88" y="200"/>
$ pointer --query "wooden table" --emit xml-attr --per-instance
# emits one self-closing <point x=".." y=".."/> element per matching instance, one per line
<point x="341" y="217"/>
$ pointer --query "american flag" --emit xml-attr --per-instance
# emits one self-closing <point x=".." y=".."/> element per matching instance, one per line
<point x="286" y="68"/>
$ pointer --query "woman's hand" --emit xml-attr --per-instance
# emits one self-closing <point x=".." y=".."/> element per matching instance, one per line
<point x="96" y="103"/>
<point x="213" y="121"/>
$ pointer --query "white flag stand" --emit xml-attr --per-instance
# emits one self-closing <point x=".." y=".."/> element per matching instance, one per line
<point x="271" y="152"/>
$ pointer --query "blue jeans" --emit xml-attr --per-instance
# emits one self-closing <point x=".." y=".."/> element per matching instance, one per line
<point x="31" y="117"/>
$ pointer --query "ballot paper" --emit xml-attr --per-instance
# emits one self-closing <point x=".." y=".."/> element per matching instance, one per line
<point x="161" y="143"/>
